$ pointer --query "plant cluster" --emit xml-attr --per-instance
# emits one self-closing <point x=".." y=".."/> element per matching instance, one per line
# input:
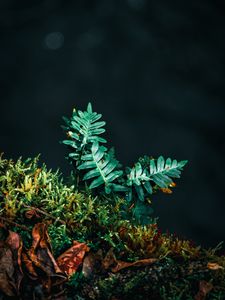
<point x="97" y="165"/>
<point x="31" y="193"/>
<point x="102" y="208"/>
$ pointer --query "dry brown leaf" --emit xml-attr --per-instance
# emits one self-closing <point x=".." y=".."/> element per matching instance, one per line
<point x="7" y="284"/>
<point x="204" y="288"/>
<point x="139" y="263"/>
<point x="10" y="264"/>
<point x="110" y="262"/>
<point x="40" y="252"/>
<point x="72" y="258"/>
<point x="32" y="214"/>
<point x="28" y="264"/>
<point x="44" y="275"/>
<point x="39" y="258"/>
<point x="15" y="243"/>
<point x="214" y="266"/>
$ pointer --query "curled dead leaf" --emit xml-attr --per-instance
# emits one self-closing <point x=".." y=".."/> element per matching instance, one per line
<point x="10" y="264"/>
<point x="7" y="283"/>
<point x="40" y="274"/>
<point x="139" y="263"/>
<point x="39" y="260"/>
<point x="214" y="266"/>
<point x="15" y="243"/>
<point x="40" y="252"/>
<point x="72" y="258"/>
<point x="110" y="262"/>
<point x="28" y="264"/>
<point x="32" y="214"/>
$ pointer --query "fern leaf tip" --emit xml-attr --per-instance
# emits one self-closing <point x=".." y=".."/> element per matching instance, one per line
<point x="183" y="163"/>
<point x="89" y="107"/>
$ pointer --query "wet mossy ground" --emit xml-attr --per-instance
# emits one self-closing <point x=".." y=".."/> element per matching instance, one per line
<point x="167" y="279"/>
<point x="31" y="194"/>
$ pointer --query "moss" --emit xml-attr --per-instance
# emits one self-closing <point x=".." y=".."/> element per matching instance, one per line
<point x="31" y="193"/>
<point x="166" y="279"/>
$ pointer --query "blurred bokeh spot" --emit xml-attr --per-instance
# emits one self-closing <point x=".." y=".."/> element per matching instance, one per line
<point x="54" y="40"/>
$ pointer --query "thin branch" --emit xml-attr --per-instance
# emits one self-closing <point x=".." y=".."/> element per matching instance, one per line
<point x="14" y="223"/>
<point x="43" y="213"/>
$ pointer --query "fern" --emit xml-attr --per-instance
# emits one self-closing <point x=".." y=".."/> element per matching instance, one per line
<point x="160" y="173"/>
<point x="138" y="183"/>
<point x="137" y="177"/>
<point x="103" y="167"/>
<point x="83" y="129"/>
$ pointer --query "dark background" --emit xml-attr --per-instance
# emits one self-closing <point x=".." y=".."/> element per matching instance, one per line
<point x="154" y="69"/>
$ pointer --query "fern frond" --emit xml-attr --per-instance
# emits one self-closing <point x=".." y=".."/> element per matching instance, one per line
<point x="104" y="168"/>
<point x="83" y="129"/>
<point x="161" y="173"/>
<point x="136" y="177"/>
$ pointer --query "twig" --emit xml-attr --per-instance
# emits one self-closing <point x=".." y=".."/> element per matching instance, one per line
<point x="14" y="223"/>
<point x="43" y="213"/>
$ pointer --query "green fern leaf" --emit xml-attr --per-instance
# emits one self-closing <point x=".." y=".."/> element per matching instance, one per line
<point x="96" y="182"/>
<point x="109" y="187"/>
<point x="103" y="167"/>
<point x="160" y="172"/>
<point x="83" y="130"/>
<point x="118" y="187"/>
<point x="148" y="187"/>
<point x="164" y="172"/>
<point x="136" y="177"/>
<point x="86" y="165"/>
<point x="140" y="192"/>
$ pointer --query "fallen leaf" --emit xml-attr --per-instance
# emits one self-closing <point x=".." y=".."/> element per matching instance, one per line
<point x="10" y="263"/>
<point x="28" y="264"/>
<point x="204" y="288"/>
<point x="214" y="266"/>
<point x="110" y="262"/>
<point x="139" y="263"/>
<point x="7" y="284"/>
<point x="32" y="214"/>
<point x="40" y="252"/>
<point x="72" y="258"/>
<point x="15" y="243"/>
<point x="40" y="277"/>
<point x="41" y="265"/>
